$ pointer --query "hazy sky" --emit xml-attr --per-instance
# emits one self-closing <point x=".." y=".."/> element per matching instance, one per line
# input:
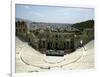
<point x="53" y="14"/>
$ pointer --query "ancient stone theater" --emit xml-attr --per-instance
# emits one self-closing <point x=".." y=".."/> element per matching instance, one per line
<point x="49" y="38"/>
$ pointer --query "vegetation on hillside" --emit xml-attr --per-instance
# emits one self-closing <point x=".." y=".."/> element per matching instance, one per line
<point x="83" y="25"/>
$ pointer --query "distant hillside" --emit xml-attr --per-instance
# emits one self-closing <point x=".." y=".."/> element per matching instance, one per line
<point x="46" y="23"/>
<point x="82" y="25"/>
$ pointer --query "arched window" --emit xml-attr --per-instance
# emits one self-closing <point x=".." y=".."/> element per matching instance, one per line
<point x="56" y="36"/>
<point x="24" y="30"/>
<point x="67" y="44"/>
<point x="64" y="45"/>
<point x="19" y="30"/>
<point x="43" y="44"/>
<point x="56" y="45"/>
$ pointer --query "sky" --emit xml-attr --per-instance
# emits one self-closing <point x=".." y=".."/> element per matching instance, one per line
<point x="53" y="14"/>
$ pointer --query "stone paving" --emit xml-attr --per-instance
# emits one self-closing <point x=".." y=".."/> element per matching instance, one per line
<point x="29" y="60"/>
